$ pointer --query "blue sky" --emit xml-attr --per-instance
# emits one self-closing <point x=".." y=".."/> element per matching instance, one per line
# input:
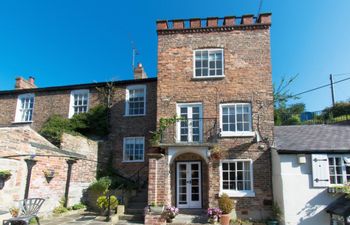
<point x="68" y="42"/>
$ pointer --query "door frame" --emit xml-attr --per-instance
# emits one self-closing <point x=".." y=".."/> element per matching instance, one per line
<point x="201" y="177"/>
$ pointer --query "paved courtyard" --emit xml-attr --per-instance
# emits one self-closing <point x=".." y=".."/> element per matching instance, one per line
<point x="85" y="218"/>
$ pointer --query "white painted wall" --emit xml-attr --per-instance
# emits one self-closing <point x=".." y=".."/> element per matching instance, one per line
<point x="300" y="202"/>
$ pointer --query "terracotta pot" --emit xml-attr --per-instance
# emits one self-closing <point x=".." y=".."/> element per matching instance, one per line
<point x="225" y="219"/>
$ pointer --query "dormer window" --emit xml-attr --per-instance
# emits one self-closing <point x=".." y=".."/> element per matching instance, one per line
<point x="208" y="63"/>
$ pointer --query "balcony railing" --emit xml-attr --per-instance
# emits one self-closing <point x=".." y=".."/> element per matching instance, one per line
<point x="191" y="132"/>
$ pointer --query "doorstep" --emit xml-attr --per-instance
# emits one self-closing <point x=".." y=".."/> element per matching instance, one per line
<point x="191" y="216"/>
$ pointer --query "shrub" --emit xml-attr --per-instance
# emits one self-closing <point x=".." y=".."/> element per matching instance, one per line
<point x="60" y="209"/>
<point x="78" y="206"/>
<point x="101" y="185"/>
<point x="92" y="123"/>
<point x="102" y="202"/>
<point x="226" y="204"/>
<point x="339" y="109"/>
<point x="293" y="120"/>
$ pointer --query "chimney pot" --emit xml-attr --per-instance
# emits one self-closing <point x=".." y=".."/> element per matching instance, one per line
<point x="265" y="18"/>
<point x="31" y="80"/>
<point x="22" y="83"/>
<point x="212" y="22"/>
<point x="178" y="24"/>
<point x="247" y="19"/>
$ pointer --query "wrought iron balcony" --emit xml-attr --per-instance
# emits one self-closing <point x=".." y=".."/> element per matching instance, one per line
<point x="199" y="131"/>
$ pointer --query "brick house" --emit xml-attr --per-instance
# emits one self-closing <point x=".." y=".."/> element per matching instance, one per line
<point x="214" y="74"/>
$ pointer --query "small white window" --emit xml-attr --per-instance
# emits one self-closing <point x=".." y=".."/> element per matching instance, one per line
<point x="208" y="63"/>
<point x="134" y="148"/>
<point x="79" y="102"/>
<point x="135" y="102"/>
<point x="339" y="169"/>
<point x="25" y="108"/>
<point x="236" y="119"/>
<point x="236" y="177"/>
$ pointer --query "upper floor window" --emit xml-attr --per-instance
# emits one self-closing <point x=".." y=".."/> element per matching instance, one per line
<point x="209" y="63"/>
<point x="236" y="177"/>
<point x="134" y="148"/>
<point x="236" y="119"/>
<point x="25" y="108"/>
<point x="79" y="102"/>
<point x="135" y="102"/>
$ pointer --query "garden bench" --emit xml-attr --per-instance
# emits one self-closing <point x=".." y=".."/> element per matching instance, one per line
<point x="28" y="209"/>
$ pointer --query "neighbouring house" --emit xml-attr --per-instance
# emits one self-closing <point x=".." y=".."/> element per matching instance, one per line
<point x="309" y="162"/>
<point x="27" y="155"/>
<point x="214" y="83"/>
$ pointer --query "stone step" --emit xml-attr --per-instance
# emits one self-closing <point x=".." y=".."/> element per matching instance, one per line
<point x="126" y="222"/>
<point x="132" y="217"/>
<point x="134" y="211"/>
<point x="137" y="205"/>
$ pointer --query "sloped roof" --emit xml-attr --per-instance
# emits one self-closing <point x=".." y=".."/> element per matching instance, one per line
<point x="312" y="138"/>
<point x="23" y="140"/>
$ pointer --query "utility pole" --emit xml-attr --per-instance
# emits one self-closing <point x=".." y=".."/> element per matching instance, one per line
<point x="332" y="88"/>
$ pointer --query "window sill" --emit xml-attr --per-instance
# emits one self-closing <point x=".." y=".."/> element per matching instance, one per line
<point x="20" y="122"/>
<point x="132" y="161"/>
<point x="209" y="78"/>
<point x="138" y="115"/>
<point x="237" y="134"/>
<point x="238" y="193"/>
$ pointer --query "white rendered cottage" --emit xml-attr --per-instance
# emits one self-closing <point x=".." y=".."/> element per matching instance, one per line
<point x="307" y="162"/>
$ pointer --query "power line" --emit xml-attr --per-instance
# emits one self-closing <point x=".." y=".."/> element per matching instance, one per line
<point x="323" y="86"/>
<point x="341" y="74"/>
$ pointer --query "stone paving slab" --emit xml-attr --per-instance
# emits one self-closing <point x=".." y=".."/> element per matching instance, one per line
<point x="85" y="218"/>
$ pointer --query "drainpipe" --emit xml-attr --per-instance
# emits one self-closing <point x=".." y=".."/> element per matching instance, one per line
<point x="30" y="164"/>
<point x="70" y="163"/>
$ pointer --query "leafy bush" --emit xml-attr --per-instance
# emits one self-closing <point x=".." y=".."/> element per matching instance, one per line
<point x="102" y="202"/>
<point x="78" y="206"/>
<point x="5" y="173"/>
<point x="101" y="185"/>
<point x="226" y="204"/>
<point x="293" y="120"/>
<point x="60" y="209"/>
<point x="339" y="109"/>
<point x="92" y="123"/>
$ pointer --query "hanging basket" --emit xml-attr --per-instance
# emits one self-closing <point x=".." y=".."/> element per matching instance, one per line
<point x="49" y="175"/>
<point x="5" y="175"/>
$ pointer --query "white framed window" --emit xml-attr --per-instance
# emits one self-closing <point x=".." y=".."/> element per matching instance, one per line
<point x="190" y="127"/>
<point x="79" y="102"/>
<point x="236" y="177"/>
<point x="236" y="119"/>
<point x="339" y="169"/>
<point x="135" y="102"/>
<point x="208" y="63"/>
<point x="133" y="149"/>
<point x="25" y="108"/>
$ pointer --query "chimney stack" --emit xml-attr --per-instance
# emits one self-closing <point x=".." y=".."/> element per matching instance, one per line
<point x="22" y="83"/>
<point x="139" y="72"/>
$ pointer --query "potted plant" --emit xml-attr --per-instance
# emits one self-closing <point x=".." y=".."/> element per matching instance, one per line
<point x="226" y="205"/>
<point x="170" y="213"/>
<point x="276" y="215"/>
<point x="217" y="153"/>
<point x="102" y="203"/>
<point x="49" y="174"/>
<point x="156" y="209"/>
<point x="14" y="211"/>
<point x="214" y="215"/>
<point x="5" y="175"/>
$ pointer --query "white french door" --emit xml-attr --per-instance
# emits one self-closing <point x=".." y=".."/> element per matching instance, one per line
<point x="189" y="129"/>
<point x="189" y="185"/>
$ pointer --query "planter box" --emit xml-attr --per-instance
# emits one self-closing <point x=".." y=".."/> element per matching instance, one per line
<point x="157" y="210"/>
<point x="335" y="189"/>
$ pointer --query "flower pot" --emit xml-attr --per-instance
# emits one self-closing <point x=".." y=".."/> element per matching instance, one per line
<point x="157" y="209"/>
<point x="225" y="219"/>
